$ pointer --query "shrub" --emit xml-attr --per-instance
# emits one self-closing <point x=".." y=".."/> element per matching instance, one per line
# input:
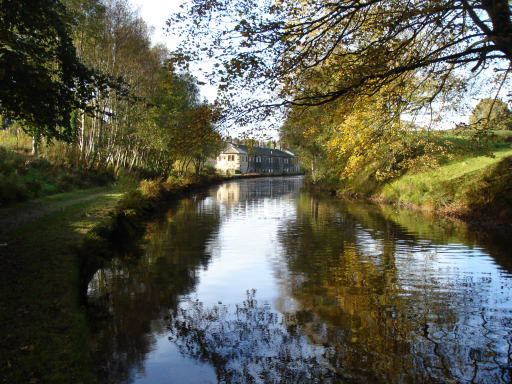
<point x="151" y="189"/>
<point x="11" y="190"/>
<point x="127" y="180"/>
<point x="39" y="163"/>
<point x="9" y="162"/>
<point x="174" y="181"/>
<point x="104" y="176"/>
<point x="192" y="179"/>
<point x="209" y="170"/>
<point x="66" y="182"/>
<point x="34" y="187"/>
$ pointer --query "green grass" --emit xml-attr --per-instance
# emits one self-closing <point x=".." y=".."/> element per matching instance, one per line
<point x="50" y="200"/>
<point x="465" y="144"/>
<point x="43" y="338"/>
<point x="453" y="185"/>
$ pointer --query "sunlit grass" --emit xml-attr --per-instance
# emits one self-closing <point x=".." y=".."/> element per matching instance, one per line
<point x="15" y="139"/>
<point x="448" y="183"/>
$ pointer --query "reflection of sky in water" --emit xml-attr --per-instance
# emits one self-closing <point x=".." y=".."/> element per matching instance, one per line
<point x="241" y="252"/>
<point x="453" y="267"/>
<point x="167" y="365"/>
<point x="459" y="290"/>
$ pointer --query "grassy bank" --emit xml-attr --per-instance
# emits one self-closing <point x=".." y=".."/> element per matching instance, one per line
<point x="24" y="177"/>
<point x="472" y="185"/>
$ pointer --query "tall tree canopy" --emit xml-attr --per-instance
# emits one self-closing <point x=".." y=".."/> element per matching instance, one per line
<point x="182" y="124"/>
<point x="41" y="78"/>
<point x="312" y="52"/>
<point x="85" y="72"/>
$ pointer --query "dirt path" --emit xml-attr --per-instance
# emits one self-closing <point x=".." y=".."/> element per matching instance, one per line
<point x="16" y="217"/>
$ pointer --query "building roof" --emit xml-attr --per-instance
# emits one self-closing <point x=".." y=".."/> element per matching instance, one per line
<point x="258" y="151"/>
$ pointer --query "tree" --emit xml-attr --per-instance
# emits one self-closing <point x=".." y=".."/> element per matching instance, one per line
<point x="111" y="38"/>
<point x="491" y="113"/>
<point x="182" y="126"/>
<point x="42" y="80"/>
<point x="314" y="52"/>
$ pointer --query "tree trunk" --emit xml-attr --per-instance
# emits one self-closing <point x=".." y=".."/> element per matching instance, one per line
<point x="35" y="144"/>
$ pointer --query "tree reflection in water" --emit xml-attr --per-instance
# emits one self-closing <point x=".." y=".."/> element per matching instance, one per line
<point x="393" y="306"/>
<point x="129" y="299"/>
<point x="249" y="343"/>
<point x="361" y="295"/>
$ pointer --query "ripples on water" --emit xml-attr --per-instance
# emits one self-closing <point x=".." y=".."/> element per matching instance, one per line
<point x="257" y="281"/>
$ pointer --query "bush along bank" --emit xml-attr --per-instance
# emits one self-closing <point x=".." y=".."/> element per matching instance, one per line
<point x="25" y="177"/>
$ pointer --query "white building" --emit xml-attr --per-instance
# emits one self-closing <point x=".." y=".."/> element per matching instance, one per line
<point x="241" y="159"/>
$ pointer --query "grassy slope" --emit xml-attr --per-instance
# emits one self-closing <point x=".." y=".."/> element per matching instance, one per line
<point x="43" y="328"/>
<point x="468" y="186"/>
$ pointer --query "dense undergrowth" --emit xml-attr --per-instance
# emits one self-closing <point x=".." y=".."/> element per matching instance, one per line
<point x="24" y="177"/>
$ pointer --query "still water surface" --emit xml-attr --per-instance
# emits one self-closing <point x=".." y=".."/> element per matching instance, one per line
<point x="259" y="281"/>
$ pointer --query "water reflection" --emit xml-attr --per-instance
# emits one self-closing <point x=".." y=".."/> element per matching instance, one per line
<point x="130" y="299"/>
<point x="395" y="306"/>
<point x="256" y="281"/>
<point x="248" y="343"/>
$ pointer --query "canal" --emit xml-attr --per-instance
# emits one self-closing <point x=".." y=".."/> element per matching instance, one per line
<point x="258" y="281"/>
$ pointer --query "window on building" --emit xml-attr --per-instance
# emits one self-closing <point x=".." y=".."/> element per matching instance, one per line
<point x="231" y="157"/>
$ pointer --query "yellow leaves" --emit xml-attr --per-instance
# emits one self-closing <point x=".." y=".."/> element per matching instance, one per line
<point x="357" y="136"/>
<point x="310" y="132"/>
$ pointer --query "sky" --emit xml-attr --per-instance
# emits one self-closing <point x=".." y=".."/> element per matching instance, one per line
<point x="155" y="13"/>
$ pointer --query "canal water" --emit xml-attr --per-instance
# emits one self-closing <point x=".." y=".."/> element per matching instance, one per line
<point x="257" y="281"/>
